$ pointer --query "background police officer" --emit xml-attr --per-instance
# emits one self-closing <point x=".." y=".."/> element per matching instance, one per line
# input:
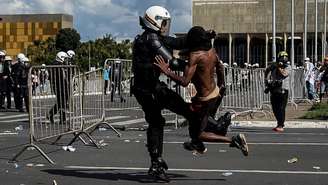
<point x="17" y="69"/>
<point x="4" y="76"/>
<point x="59" y="81"/>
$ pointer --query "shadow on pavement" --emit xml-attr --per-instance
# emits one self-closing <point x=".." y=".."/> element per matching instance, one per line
<point x="141" y="177"/>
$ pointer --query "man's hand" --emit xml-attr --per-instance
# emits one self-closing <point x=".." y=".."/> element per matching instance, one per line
<point x="164" y="66"/>
<point x="5" y="77"/>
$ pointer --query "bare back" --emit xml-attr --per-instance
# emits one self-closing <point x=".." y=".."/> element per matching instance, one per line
<point x="203" y="78"/>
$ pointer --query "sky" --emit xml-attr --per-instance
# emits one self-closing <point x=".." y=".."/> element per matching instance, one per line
<point x="95" y="18"/>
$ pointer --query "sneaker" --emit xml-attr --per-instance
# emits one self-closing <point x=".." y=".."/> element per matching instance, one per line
<point x="239" y="141"/>
<point x="158" y="171"/>
<point x="196" y="148"/>
<point x="278" y="129"/>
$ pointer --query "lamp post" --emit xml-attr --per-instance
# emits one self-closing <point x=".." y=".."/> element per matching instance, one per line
<point x="89" y="56"/>
<point x="316" y="33"/>
<point x="292" y="38"/>
<point x="273" y="30"/>
<point x="305" y="31"/>
<point x="325" y="30"/>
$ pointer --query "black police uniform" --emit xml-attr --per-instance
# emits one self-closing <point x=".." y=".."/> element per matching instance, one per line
<point x="4" y="71"/>
<point x="60" y="82"/>
<point x="23" y="82"/>
<point x="152" y="94"/>
<point x="116" y="78"/>
<point x="16" y="75"/>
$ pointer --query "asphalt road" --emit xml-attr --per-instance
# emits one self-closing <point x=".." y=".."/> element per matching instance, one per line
<point x="125" y="161"/>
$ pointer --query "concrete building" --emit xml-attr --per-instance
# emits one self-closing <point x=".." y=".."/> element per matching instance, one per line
<point x="244" y="28"/>
<point x="17" y="32"/>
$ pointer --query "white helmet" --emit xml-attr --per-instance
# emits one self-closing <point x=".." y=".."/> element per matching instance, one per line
<point x="43" y="67"/>
<point x="256" y="65"/>
<point x="61" y="56"/>
<point x="156" y="18"/>
<point x="25" y="59"/>
<point x="70" y="53"/>
<point x="225" y="65"/>
<point x="235" y="64"/>
<point x="20" y="57"/>
<point x="8" y="58"/>
<point x="2" y="53"/>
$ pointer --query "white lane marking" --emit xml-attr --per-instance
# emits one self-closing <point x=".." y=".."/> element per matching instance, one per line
<point x="278" y="134"/>
<point x="119" y="109"/>
<point x="8" y="133"/>
<point x="201" y="170"/>
<point x="299" y="144"/>
<point x="13" y="116"/>
<point x="16" y="120"/>
<point x="141" y="120"/>
<point x="117" y="117"/>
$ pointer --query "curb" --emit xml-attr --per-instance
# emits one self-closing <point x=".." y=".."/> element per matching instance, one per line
<point x="288" y="124"/>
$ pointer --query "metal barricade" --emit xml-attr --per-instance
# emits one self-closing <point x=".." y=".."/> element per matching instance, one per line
<point x="94" y="102"/>
<point x="244" y="93"/>
<point x="299" y="87"/>
<point x="56" y="110"/>
<point x="120" y="102"/>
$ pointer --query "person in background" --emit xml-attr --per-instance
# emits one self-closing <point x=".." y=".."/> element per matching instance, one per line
<point x="309" y="77"/>
<point x="60" y="85"/>
<point x="106" y="76"/>
<point x="278" y="88"/>
<point x="323" y="77"/>
<point x="43" y="77"/>
<point x="17" y="69"/>
<point x="4" y="75"/>
<point x="35" y="82"/>
<point x="8" y="61"/>
<point x="24" y="82"/>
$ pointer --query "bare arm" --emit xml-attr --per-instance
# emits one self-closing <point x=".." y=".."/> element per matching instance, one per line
<point x="219" y="73"/>
<point x="181" y="80"/>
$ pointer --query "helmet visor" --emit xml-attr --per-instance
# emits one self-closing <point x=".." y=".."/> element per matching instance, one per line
<point x="165" y="27"/>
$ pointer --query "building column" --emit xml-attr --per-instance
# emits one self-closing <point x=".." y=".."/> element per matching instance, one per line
<point x="285" y="42"/>
<point x="248" y="48"/>
<point x="230" y="49"/>
<point x="266" y="50"/>
<point x="323" y="52"/>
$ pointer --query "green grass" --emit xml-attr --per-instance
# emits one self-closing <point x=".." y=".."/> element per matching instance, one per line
<point x="317" y="111"/>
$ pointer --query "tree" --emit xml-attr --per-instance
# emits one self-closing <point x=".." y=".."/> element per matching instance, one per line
<point x="42" y="52"/>
<point x="67" y="39"/>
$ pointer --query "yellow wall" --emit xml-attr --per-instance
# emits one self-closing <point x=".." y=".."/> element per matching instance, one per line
<point x="16" y="36"/>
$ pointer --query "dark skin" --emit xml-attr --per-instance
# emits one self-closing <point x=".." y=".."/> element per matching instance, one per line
<point x="199" y="71"/>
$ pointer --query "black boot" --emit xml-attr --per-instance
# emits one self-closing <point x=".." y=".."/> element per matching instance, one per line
<point x="196" y="147"/>
<point x="158" y="170"/>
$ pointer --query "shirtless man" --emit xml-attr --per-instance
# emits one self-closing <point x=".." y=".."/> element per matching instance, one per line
<point x="203" y="62"/>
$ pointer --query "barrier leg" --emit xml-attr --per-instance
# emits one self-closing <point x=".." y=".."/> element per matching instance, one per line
<point x="33" y="146"/>
<point x="109" y="126"/>
<point x="88" y="136"/>
<point x="57" y="139"/>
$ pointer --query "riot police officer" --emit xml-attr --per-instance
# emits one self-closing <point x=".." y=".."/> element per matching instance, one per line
<point x="59" y="80"/>
<point x="24" y="82"/>
<point x="8" y="61"/>
<point x="4" y="75"/>
<point x="152" y="94"/>
<point x="16" y="74"/>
